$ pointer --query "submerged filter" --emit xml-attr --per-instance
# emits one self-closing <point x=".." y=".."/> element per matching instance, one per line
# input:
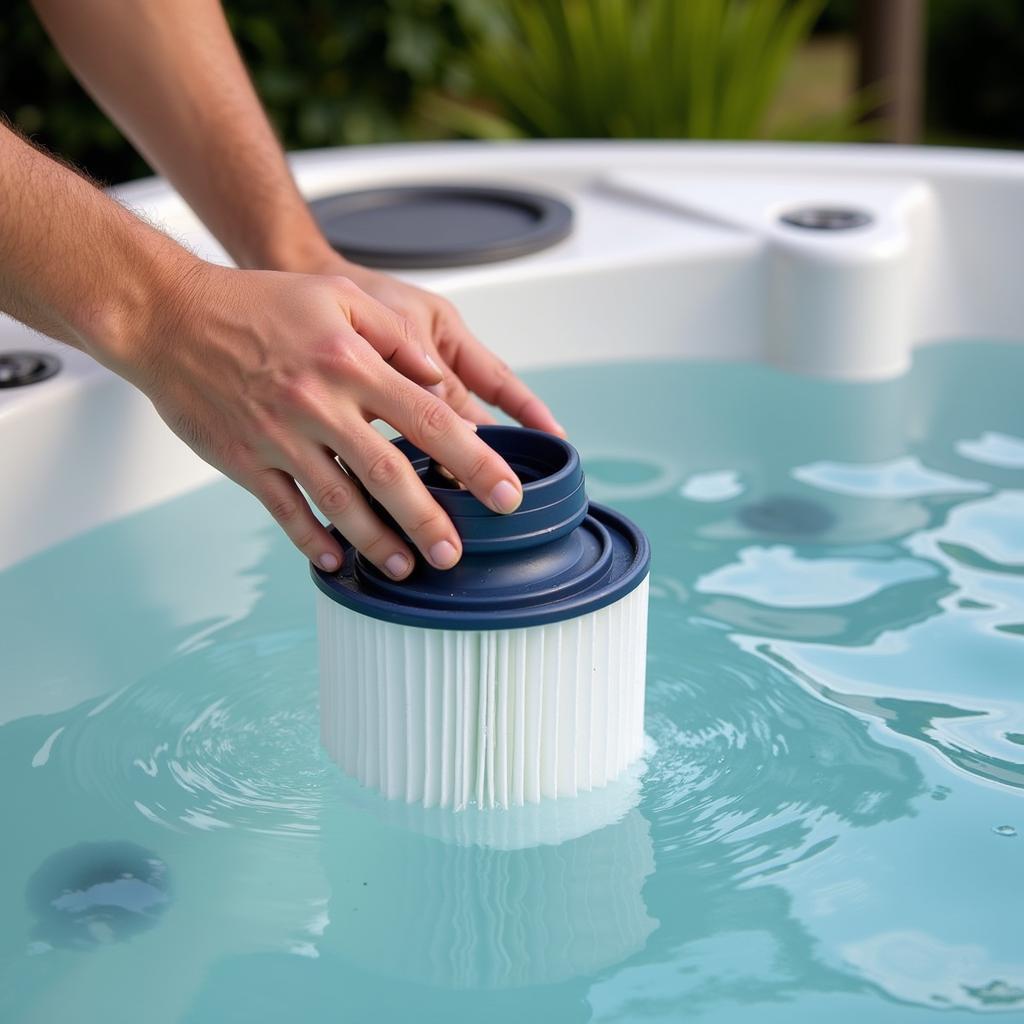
<point x="516" y="675"/>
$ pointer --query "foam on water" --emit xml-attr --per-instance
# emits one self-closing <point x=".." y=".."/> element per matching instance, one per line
<point x="826" y="823"/>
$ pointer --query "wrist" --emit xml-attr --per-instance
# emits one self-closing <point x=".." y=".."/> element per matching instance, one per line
<point x="145" y="308"/>
<point x="312" y="256"/>
<point x="298" y="249"/>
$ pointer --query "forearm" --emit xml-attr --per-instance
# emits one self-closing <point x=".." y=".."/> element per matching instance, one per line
<point x="73" y="263"/>
<point x="168" y="72"/>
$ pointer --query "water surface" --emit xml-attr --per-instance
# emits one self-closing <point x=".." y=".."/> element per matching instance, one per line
<point x="827" y="824"/>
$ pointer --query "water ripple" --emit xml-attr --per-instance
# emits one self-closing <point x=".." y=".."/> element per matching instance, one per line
<point x="226" y="736"/>
<point x="745" y="762"/>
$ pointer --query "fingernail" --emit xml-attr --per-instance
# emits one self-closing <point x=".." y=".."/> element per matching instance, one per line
<point x="433" y="365"/>
<point x="561" y="430"/>
<point x="443" y="554"/>
<point x="329" y="562"/>
<point x="396" y="565"/>
<point x="505" y="497"/>
<point x="437" y="390"/>
<point x="469" y="423"/>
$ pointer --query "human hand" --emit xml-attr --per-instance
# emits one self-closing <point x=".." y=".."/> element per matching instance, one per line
<point x="468" y="366"/>
<point x="268" y="376"/>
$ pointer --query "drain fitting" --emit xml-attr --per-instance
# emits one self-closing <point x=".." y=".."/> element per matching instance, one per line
<point x="18" y="369"/>
<point x="822" y="218"/>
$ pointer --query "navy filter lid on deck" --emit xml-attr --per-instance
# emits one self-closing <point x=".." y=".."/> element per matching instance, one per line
<point x="440" y="225"/>
<point x="558" y="556"/>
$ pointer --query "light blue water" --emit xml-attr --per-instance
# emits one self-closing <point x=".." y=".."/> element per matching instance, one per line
<point x="828" y="825"/>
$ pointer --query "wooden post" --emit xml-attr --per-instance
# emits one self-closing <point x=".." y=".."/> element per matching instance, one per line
<point x="891" y="44"/>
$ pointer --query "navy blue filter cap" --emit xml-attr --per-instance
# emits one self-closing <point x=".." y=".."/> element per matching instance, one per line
<point x="558" y="556"/>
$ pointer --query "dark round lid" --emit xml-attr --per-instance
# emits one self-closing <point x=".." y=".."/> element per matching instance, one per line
<point x="440" y="225"/>
<point x="556" y="557"/>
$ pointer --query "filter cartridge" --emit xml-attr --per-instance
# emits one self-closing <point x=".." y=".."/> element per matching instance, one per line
<point x="515" y="676"/>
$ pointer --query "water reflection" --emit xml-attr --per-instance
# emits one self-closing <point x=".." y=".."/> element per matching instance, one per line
<point x="965" y="736"/>
<point x="900" y="478"/>
<point x="779" y="578"/>
<point x="95" y="893"/>
<point x="404" y="905"/>
<point x="994" y="449"/>
<point x="915" y="967"/>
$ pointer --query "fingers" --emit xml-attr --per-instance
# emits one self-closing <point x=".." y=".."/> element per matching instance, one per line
<point x="338" y="497"/>
<point x="392" y="335"/>
<point x="474" y="411"/>
<point x="484" y="373"/>
<point x="389" y="476"/>
<point x="455" y="393"/>
<point x="433" y="426"/>
<point x="284" y="501"/>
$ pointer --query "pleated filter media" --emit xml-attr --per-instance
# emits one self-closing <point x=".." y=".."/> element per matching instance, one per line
<point x="495" y="718"/>
<point x="514" y="677"/>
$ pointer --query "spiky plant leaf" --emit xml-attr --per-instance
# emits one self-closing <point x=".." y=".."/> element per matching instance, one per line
<point x="639" y="69"/>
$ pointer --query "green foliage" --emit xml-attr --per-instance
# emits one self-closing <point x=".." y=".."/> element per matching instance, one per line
<point x="329" y="71"/>
<point x="333" y="72"/>
<point x="41" y="98"/>
<point x="635" y="69"/>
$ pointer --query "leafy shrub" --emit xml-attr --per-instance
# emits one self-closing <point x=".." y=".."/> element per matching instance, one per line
<point x="635" y="69"/>
<point x="329" y="71"/>
<point x="339" y="71"/>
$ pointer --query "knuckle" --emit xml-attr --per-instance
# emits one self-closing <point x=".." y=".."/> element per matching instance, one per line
<point x="445" y="310"/>
<point x="429" y="523"/>
<point x="294" y="394"/>
<point x="341" y="356"/>
<point x="502" y="371"/>
<point x="305" y="540"/>
<point x="334" y="498"/>
<point x="433" y="420"/>
<point x="237" y="454"/>
<point x="455" y="391"/>
<point x="478" y="467"/>
<point x="528" y="402"/>
<point x="385" y="470"/>
<point x="283" y="508"/>
<point x="503" y="384"/>
<point x="376" y="542"/>
<point x="407" y="331"/>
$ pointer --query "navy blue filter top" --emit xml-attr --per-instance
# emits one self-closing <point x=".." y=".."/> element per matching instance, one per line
<point x="556" y="557"/>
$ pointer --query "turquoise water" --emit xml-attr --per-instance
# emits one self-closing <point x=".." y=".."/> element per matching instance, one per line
<point x="827" y="824"/>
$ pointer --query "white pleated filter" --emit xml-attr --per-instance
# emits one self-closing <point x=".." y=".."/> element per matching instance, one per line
<point x="495" y="718"/>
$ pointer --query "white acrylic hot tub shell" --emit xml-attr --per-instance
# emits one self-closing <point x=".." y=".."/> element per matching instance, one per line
<point x="677" y="252"/>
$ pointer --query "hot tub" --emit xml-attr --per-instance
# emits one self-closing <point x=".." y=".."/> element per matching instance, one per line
<point x="798" y="368"/>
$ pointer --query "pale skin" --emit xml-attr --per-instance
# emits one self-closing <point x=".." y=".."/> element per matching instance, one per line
<point x="272" y="370"/>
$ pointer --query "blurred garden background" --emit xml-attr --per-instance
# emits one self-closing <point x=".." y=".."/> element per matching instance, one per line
<point x="336" y="72"/>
